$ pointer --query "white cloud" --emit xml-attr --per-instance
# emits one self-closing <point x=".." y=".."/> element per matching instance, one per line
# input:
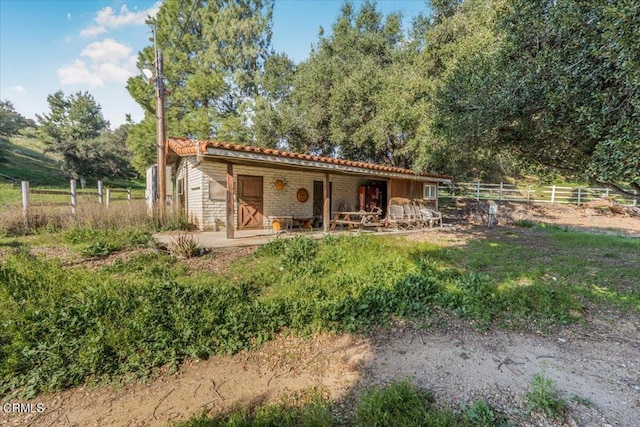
<point x="93" y="30"/>
<point x="107" y="18"/>
<point x="19" y="89"/>
<point x="109" y="61"/>
<point x="106" y="51"/>
<point x="78" y="73"/>
<point x="113" y="72"/>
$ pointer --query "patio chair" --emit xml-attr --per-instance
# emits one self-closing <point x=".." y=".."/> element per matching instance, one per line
<point x="396" y="218"/>
<point x="423" y="218"/>
<point x="437" y="216"/>
<point x="410" y="216"/>
<point x="431" y="215"/>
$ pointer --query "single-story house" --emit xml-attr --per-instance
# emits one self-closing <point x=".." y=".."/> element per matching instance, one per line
<point x="217" y="184"/>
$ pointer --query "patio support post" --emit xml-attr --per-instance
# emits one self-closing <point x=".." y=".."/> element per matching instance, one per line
<point x="230" y="202"/>
<point x="326" y="214"/>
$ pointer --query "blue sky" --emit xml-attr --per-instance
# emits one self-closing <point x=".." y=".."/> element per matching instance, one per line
<point x="86" y="45"/>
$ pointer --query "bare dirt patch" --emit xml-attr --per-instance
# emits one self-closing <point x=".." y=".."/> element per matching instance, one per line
<point x="623" y="221"/>
<point x="596" y="367"/>
<point x="218" y="261"/>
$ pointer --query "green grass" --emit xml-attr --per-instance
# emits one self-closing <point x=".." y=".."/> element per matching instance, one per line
<point x="311" y="411"/>
<point x="599" y="268"/>
<point x="25" y="160"/>
<point x="65" y="325"/>
<point x="398" y="404"/>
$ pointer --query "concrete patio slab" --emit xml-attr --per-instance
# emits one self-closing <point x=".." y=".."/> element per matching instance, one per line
<point x="218" y="240"/>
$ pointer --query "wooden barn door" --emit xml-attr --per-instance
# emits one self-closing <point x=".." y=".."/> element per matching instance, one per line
<point x="249" y="202"/>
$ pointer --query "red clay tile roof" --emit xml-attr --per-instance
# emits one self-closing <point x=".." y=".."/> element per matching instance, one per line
<point x="187" y="147"/>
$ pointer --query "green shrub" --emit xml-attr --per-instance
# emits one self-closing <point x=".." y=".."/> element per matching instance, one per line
<point x="525" y="223"/>
<point x="100" y="249"/>
<point x="300" y="249"/>
<point x="480" y="414"/>
<point x="543" y="396"/>
<point x="274" y="247"/>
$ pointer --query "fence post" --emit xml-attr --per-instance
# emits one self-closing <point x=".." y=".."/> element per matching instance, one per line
<point x="606" y="192"/>
<point x="108" y="197"/>
<point x="74" y="197"/>
<point x="553" y="193"/>
<point x="478" y="191"/>
<point x="635" y="198"/>
<point x="100" y="192"/>
<point x="500" y="196"/>
<point x="579" y="196"/>
<point x="25" y="201"/>
<point x="529" y="193"/>
<point x="129" y="195"/>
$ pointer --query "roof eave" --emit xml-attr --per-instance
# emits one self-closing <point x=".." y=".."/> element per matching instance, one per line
<point x="314" y="165"/>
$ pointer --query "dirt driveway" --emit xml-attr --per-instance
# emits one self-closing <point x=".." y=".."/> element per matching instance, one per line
<point x="596" y="367"/>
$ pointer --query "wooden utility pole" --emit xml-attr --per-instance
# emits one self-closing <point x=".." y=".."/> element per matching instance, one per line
<point x="162" y="160"/>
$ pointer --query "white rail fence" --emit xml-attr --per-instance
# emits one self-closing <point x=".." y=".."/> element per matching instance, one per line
<point x="545" y="194"/>
<point x="54" y="197"/>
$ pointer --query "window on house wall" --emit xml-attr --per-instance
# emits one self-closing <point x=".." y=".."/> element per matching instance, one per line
<point x="430" y="191"/>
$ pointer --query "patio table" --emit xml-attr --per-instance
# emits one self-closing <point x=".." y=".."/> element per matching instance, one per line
<point x="360" y="219"/>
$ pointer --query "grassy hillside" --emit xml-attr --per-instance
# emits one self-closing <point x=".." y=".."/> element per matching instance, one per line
<point x="24" y="159"/>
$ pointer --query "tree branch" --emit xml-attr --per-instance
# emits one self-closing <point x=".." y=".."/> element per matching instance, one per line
<point x="621" y="190"/>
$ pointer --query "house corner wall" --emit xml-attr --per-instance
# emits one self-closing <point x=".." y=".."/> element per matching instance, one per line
<point x="190" y="173"/>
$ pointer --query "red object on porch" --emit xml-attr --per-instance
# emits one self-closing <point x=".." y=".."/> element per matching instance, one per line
<point x="369" y="197"/>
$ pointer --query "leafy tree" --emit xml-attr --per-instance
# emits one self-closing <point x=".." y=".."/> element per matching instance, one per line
<point x="11" y="122"/>
<point x="214" y="52"/>
<point x="273" y="120"/>
<point x="558" y="88"/>
<point x="76" y="129"/>
<point x="357" y="94"/>
<point x="108" y="154"/>
<point x="456" y="34"/>
<point x="141" y="142"/>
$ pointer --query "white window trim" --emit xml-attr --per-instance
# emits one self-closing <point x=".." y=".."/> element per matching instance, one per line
<point x="430" y="191"/>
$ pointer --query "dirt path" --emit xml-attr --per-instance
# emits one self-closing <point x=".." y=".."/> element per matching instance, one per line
<point x="459" y="366"/>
